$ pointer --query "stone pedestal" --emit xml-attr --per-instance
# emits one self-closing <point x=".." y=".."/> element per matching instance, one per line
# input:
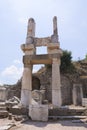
<point x="38" y="112"/>
<point x="26" y="86"/>
<point x="56" y="87"/>
<point x="77" y="94"/>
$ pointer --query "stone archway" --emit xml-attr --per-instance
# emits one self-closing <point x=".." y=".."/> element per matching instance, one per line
<point x="31" y="58"/>
<point x="35" y="83"/>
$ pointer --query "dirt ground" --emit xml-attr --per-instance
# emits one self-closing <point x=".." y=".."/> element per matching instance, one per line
<point x="50" y="125"/>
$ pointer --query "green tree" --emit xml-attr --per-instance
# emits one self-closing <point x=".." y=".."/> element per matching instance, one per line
<point x="66" y="62"/>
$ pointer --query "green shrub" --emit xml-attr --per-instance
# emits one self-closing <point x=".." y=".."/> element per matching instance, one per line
<point x="66" y="62"/>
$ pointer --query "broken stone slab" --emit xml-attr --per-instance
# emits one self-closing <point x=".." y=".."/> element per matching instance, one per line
<point x="18" y="118"/>
<point x="3" y="113"/>
<point x="38" y="95"/>
<point x="38" y="112"/>
<point x="17" y="99"/>
<point x="14" y="99"/>
<point x="7" y="127"/>
<point x="10" y="116"/>
<point x="12" y="102"/>
<point x="17" y="110"/>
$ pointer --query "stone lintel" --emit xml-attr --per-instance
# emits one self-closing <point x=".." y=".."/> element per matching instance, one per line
<point x="42" y="41"/>
<point x="53" y="45"/>
<point x="39" y="59"/>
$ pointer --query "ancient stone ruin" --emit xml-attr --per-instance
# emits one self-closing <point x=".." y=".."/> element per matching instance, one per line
<point x="37" y="109"/>
<point x="44" y="95"/>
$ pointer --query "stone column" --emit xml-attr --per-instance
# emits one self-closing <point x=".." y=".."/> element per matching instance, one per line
<point x="31" y="28"/>
<point x="56" y="86"/>
<point x="54" y="37"/>
<point x="26" y="86"/>
<point x="30" y="31"/>
<point x="55" y="32"/>
<point x="77" y="94"/>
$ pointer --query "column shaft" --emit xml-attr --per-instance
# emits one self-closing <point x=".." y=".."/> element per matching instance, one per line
<point x="26" y="86"/>
<point x="56" y="87"/>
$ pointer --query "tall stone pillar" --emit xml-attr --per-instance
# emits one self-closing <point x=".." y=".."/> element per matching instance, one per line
<point x="56" y="86"/>
<point x="31" y="28"/>
<point x="77" y="94"/>
<point x="55" y="32"/>
<point x="26" y="86"/>
<point x="28" y="49"/>
<point x="30" y="31"/>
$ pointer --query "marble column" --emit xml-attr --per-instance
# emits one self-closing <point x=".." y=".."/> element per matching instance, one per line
<point x="56" y="86"/>
<point x="26" y="86"/>
<point x="77" y="94"/>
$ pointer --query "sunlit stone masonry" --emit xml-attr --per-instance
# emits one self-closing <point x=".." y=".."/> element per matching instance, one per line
<point x="38" y="110"/>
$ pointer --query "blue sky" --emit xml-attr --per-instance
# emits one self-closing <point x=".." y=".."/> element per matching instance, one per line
<point x="14" y="14"/>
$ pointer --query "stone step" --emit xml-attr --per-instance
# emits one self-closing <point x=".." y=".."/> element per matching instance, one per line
<point x="68" y="117"/>
<point x="66" y="112"/>
<point x="3" y="113"/>
<point x="2" y="108"/>
<point x="2" y="104"/>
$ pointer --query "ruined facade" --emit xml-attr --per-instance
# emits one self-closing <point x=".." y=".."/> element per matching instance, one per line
<point x="30" y="58"/>
<point x="55" y="92"/>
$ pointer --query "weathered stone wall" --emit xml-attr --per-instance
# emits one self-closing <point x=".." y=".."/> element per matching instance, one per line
<point x="43" y="80"/>
<point x="46" y="82"/>
<point x="66" y="86"/>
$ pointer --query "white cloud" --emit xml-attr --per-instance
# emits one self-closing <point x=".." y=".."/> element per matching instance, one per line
<point x="17" y="61"/>
<point x="13" y="72"/>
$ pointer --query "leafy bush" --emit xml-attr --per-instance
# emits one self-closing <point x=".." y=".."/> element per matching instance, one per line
<point x="66" y="62"/>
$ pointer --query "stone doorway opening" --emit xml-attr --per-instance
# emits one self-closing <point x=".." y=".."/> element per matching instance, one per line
<point x="35" y="83"/>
